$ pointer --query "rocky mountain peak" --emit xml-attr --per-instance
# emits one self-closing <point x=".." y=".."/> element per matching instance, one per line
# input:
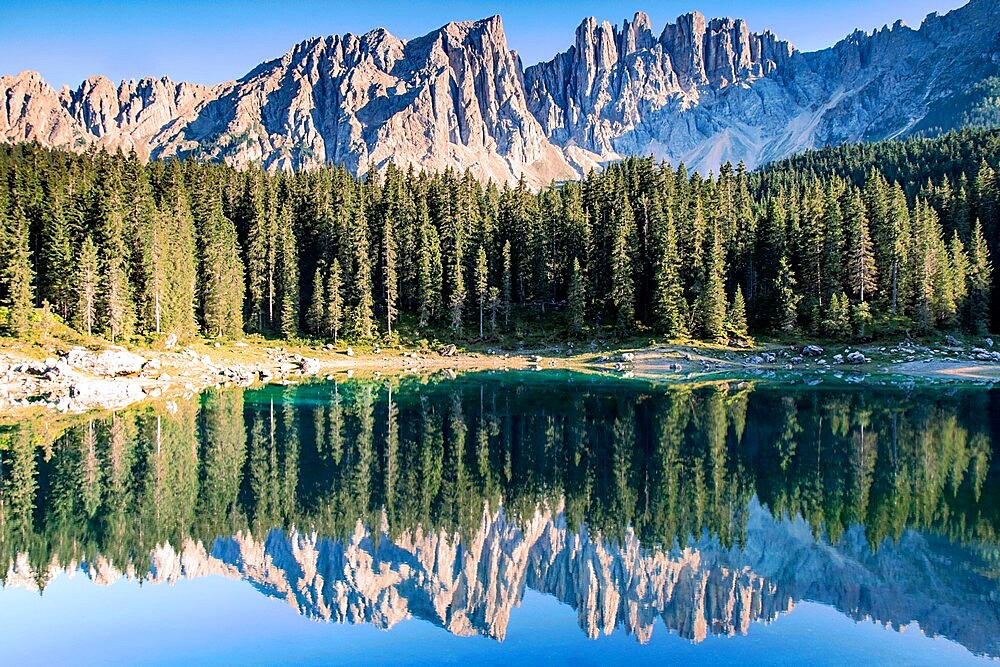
<point x="703" y="91"/>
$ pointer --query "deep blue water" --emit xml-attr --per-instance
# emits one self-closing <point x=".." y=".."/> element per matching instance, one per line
<point x="499" y="519"/>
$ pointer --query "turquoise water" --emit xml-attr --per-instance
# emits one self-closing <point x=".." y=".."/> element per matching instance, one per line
<point x="509" y="517"/>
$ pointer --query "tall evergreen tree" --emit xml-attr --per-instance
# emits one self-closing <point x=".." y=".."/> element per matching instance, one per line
<point x="286" y="281"/>
<point x="116" y="309"/>
<point x="736" y="318"/>
<point x="173" y="267"/>
<point x="360" y="316"/>
<point x="506" y="284"/>
<point x="861" y="270"/>
<point x="87" y="286"/>
<point x="315" y="313"/>
<point x="221" y="287"/>
<point x="786" y="298"/>
<point x="334" y="308"/>
<point x="482" y="284"/>
<point x="576" y="302"/>
<point x="712" y="304"/>
<point x="980" y="281"/>
<point x="622" y="296"/>
<point x="16" y="275"/>
<point x="389" y="278"/>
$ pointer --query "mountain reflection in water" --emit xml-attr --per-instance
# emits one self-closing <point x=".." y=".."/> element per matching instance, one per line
<point x="708" y="508"/>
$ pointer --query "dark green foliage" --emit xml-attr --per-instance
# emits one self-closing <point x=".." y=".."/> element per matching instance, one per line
<point x="16" y="275"/>
<point x="813" y="243"/>
<point x="576" y="306"/>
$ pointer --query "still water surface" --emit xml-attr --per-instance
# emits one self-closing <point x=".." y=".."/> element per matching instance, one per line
<point x="515" y="517"/>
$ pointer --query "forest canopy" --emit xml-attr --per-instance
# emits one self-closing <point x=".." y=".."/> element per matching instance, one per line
<point x="848" y="242"/>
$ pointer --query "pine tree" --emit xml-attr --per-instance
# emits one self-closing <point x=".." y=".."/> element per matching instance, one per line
<point x="837" y="320"/>
<point x="786" y="298"/>
<point x="389" y="278"/>
<point x="622" y="296"/>
<point x="259" y="217"/>
<point x="736" y="318"/>
<point x="315" y="314"/>
<point x="286" y="281"/>
<point x="360" y="316"/>
<point x="173" y="258"/>
<point x="861" y="259"/>
<point x="56" y="276"/>
<point x="506" y="294"/>
<point x="116" y="309"/>
<point x="334" y="307"/>
<point x="481" y="277"/>
<point x="959" y="261"/>
<point x="16" y="275"/>
<point x="669" y="307"/>
<point x="833" y="239"/>
<point x="428" y="268"/>
<point x="87" y="285"/>
<point x="576" y="303"/>
<point x="221" y="274"/>
<point x="980" y="281"/>
<point x="712" y="305"/>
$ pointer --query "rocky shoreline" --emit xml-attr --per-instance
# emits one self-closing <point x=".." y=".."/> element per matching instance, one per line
<point x="80" y="380"/>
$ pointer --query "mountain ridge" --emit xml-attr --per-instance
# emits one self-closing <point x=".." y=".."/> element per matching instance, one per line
<point x="704" y="91"/>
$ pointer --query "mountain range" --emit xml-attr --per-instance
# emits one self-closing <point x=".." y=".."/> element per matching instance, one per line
<point x="472" y="585"/>
<point x="700" y="91"/>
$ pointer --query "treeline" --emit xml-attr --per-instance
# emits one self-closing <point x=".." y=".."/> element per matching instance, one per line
<point x="120" y="248"/>
<point x="672" y="464"/>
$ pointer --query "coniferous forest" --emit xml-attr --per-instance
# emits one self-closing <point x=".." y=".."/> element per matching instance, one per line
<point x="848" y="242"/>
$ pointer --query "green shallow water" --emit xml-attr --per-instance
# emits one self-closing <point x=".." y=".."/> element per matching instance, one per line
<point x="542" y="517"/>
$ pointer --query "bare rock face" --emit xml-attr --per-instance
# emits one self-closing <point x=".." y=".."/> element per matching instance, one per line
<point x="709" y="91"/>
<point x="107" y="363"/>
<point x="699" y="91"/>
<point x="616" y="91"/>
<point x="451" y="99"/>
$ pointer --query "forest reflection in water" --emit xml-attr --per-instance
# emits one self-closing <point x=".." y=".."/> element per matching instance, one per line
<point x="705" y="507"/>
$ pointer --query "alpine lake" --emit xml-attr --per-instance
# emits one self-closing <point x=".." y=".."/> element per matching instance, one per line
<point x="509" y="518"/>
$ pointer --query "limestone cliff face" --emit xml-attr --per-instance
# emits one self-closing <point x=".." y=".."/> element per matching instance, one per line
<point x="453" y="98"/>
<point x="699" y="91"/>
<point x="706" y="92"/>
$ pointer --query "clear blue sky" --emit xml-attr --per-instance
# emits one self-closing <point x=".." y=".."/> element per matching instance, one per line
<point x="208" y="41"/>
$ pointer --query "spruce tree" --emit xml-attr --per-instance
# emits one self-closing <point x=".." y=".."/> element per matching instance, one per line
<point x="333" y="311"/>
<point x="389" y="278"/>
<point x="315" y="314"/>
<point x="286" y="281"/>
<point x="712" y="305"/>
<point x="622" y="296"/>
<point x="506" y="294"/>
<point x="56" y="275"/>
<point x="116" y="309"/>
<point x="481" y="276"/>
<point x="669" y="307"/>
<point x="837" y="319"/>
<point x="428" y="267"/>
<point x="787" y="299"/>
<point x="861" y="269"/>
<point x="360" y="318"/>
<point x="87" y="286"/>
<point x="173" y="258"/>
<point x="736" y="318"/>
<point x="16" y="275"/>
<point x="221" y="272"/>
<point x="576" y="302"/>
<point x="980" y="281"/>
